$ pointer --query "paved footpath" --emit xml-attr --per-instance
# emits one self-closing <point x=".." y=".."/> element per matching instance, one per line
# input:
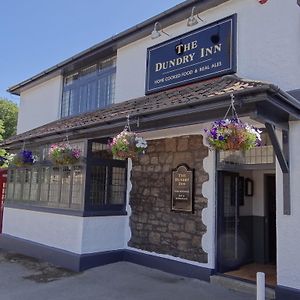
<point x="22" y="278"/>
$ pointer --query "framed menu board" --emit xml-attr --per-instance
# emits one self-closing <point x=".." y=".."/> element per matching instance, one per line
<point x="182" y="189"/>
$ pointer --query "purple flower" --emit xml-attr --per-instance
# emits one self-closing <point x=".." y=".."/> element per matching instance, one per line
<point x="219" y="122"/>
<point x="213" y="132"/>
<point x="2" y="160"/>
<point x="26" y="156"/>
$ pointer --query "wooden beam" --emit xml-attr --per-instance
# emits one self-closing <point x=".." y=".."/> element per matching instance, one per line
<point x="278" y="152"/>
<point x="283" y="160"/>
<point x="286" y="176"/>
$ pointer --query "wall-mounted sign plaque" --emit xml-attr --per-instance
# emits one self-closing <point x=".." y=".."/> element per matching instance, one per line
<point x="182" y="189"/>
<point x="206" y="52"/>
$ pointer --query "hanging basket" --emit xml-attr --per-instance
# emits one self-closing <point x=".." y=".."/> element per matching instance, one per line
<point x="127" y="144"/>
<point x="22" y="159"/>
<point x="232" y="134"/>
<point x="64" y="154"/>
<point x="3" y="160"/>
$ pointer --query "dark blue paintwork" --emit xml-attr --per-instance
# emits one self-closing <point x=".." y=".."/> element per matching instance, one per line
<point x="193" y="64"/>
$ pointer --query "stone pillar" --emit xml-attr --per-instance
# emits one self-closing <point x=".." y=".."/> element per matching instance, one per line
<point x="154" y="226"/>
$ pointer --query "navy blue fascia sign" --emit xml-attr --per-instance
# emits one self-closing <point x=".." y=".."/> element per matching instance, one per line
<point x="206" y="52"/>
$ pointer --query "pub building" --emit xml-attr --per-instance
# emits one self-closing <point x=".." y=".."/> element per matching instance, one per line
<point x="181" y="207"/>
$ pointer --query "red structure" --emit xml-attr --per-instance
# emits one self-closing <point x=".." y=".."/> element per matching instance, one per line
<point x="3" y="177"/>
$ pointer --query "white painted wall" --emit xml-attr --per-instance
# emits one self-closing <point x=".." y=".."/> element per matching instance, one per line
<point x="288" y="227"/>
<point x="40" y="105"/>
<point x="255" y="205"/>
<point x="258" y="199"/>
<point x="59" y="231"/>
<point x="71" y="233"/>
<point x="268" y="45"/>
<point x="103" y="233"/>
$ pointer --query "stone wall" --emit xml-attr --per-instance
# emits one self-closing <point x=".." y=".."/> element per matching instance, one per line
<point x="154" y="227"/>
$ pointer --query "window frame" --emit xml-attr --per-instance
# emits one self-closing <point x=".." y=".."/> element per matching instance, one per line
<point x="85" y="208"/>
<point x="83" y="81"/>
<point x="110" y="164"/>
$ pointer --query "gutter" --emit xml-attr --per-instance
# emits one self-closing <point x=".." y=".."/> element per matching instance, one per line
<point x="207" y="104"/>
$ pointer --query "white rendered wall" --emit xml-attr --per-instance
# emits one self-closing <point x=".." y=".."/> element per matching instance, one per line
<point x="208" y="191"/>
<point x="268" y="45"/>
<point x="54" y="230"/>
<point x="258" y="199"/>
<point x="288" y="227"/>
<point x="103" y="233"/>
<point x="255" y="205"/>
<point x="71" y="233"/>
<point x="39" y="105"/>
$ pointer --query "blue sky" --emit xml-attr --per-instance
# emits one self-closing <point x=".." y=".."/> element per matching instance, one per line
<point x="37" y="34"/>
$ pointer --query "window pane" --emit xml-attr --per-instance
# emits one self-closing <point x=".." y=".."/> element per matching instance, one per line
<point x="65" y="104"/>
<point x="89" y="71"/>
<point x="49" y="185"/>
<point x="34" y="184"/>
<point x="90" y="88"/>
<point x="65" y="186"/>
<point x="10" y="186"/>
<point x="118" y="186"/>
<point x="73" y="103"/>
<point x="18" y="185"/>
<point x="26" y="184"/>
<point x="108" y="63"/>
<point x="101" y="150"/>
<point x="78" y="185"/>
<point x="71" y="78"/>
<point x="91" y="96"/>
<point x="45" y="178"/>
<point x="82" y="105"/>
<point x="98" y="191"/>
<point x="106" y="86"/>
<point x="263" y="154"/>
<point x="54" y="190"/>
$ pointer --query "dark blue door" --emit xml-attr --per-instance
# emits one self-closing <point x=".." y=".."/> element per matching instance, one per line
<point x="230" y="246"/>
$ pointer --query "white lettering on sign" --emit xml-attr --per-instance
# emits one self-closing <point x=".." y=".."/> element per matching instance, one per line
<point x="204" y="52"/>
<point x="174" y="62"/>
<point x="181" y="48"/>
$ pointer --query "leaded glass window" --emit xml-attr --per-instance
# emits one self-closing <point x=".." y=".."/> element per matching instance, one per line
<point x="260" y="155"/>
<point x="96" y="184"/>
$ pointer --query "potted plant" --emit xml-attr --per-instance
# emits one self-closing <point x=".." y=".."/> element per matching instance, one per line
<point x="3" y="160"/>
<point x="232" y="134"/>
<point x="127" y="144"/>
<point x="64" y="154"/>
<point x="22" y="158"/>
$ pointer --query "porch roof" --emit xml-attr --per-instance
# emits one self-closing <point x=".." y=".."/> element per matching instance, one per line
<point x="185" y="105"/>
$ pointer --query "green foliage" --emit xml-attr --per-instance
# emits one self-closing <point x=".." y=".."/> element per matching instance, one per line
<point x="1" y="130"/>
<point x="2" y="151"/>
<point x="64" y="154"/>
<point x="9" y="117"/>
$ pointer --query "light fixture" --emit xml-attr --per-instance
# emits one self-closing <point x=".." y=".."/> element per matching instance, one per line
<point x="157" y="33"/>
<point x="192" y="20"/>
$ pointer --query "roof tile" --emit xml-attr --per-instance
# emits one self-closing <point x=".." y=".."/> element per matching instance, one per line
<point x="192" y="93"/>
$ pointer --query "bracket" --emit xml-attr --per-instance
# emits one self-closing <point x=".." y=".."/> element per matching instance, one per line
<point x="283" y="160"/>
